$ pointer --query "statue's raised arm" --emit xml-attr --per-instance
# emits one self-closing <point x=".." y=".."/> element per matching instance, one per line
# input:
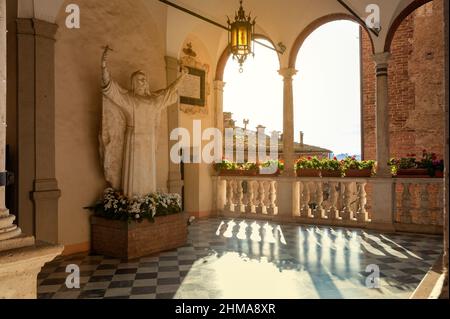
<point x="169" y="95"/>
<point x="111" y="89"/>
<point x="106" y="76"/>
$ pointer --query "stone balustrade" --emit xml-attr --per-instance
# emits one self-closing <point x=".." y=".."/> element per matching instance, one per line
<point x="335" y="200"/>
<point x="416" y="207"/>
<point x="247" y="195"/>
<point x="418" y="202"/>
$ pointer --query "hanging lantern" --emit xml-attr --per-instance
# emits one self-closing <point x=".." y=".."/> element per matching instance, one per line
<point x="241" y="36"/>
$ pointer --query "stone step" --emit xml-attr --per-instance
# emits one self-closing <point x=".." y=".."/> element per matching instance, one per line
<point x="8" y="229"/>
<point x="15" y="232"/>
<point x="16" y="243"/>
<point x="4" y="213"/>
<point x="6" y="222"/>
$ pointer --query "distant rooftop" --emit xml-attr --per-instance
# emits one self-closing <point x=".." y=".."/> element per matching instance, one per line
<point x="300" y="148"/>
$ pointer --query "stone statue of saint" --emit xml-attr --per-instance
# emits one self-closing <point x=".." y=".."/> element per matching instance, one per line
<point x="130" y="128"/>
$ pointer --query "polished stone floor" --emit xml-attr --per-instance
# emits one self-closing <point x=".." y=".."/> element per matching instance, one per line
<point x="256" y="260"/>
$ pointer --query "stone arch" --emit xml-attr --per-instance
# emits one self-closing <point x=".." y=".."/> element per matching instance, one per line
<point x="399" y="19"/>
<point x="221" y="64"/>
<point x="315" y="25"/>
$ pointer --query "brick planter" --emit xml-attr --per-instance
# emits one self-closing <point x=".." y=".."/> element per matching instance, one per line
<point x="120" y="239"/>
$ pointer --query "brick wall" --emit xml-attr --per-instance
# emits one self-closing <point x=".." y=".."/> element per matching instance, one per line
<point x="129" y="241"/>
<point x="416" y="88"/>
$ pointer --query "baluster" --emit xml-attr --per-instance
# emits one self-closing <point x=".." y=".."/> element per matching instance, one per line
<point x="306" y="210"/>
<point x="261" y="209"/>
<point x="272" y="209"/>
<point x="240" y="197"/>
<point x="425" y="217"/>
<point x="230" y="196"/>
<point x="363" y="215"/>
<point x="347" y="213"/>
<point x="319" y="212"/>
<point x="405" y="215"/>
<point x="333" y="214"/>
<point x="221" y="196"/>
<point x="250" y="209"/>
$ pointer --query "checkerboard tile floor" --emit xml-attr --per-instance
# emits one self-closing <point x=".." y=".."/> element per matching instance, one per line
<point x="254" y="259"/>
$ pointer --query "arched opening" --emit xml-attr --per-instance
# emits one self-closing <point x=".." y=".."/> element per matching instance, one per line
<point x="327" y="90"/>
<point x="256" y="95"/>
<point x="416" y="98"/>
<point x="416" y="75"/>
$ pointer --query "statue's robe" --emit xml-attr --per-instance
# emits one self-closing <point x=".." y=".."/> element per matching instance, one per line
<point x="129" y="137"/>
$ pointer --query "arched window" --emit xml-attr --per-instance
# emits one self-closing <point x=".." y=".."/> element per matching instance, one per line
<point x="327" y="88"/>
<point x="257" y="93"/>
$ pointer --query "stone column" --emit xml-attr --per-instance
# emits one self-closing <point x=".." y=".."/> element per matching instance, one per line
<point x="382" y="114"/>
<point x="218" y="102"/>
<point x="36" y="128"/>
<point x="175" y="183"/>
<point x="288" y="121"/>
<point x="383" y="187"/>
<point x="20" y="259"/>
<point x="7" y="229"/>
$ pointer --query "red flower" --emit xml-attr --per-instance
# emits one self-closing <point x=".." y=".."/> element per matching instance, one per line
<point x="335" y="158"/>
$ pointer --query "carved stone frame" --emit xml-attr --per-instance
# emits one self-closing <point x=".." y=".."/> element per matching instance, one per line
<point x="194" y="65"/>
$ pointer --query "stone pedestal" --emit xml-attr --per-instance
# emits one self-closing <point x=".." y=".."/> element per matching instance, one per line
<point x="19" y="267"/>
<point x="383" y="205"/>
<point x="21" y="260"/>
<point x="120" y="239"/>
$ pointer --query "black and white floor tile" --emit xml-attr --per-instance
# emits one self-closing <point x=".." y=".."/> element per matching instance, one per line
<point x="256" y="260"/>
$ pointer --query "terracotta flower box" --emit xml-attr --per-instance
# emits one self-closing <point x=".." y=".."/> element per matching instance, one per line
<point x="308" y="172"/>
<point x="238" y="172"/>
<point x="276" y="174"/>
<point x="359" y="173"/>
<point x="330" y="173"/>
<point x="413" y="173"/>
<point x="439" y="174"/>
<point x="120" y="239"/>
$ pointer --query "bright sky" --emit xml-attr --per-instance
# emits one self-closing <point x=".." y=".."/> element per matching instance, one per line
<point x="326" y="90"/>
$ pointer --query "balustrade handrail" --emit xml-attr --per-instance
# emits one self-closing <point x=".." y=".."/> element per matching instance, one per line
<point x="397" y="180"/>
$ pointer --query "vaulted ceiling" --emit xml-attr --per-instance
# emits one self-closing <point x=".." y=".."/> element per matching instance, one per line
<point x="279" y="20"/>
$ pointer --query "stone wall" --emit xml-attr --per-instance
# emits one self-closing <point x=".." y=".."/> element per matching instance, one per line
<point x="416" y="88"/>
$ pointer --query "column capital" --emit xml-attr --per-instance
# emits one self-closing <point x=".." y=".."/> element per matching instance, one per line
<point x="37" y="27"/>
<point x="219" y="85"/>
<point x="382" y="58"/>
<point x="287" y="73"/>
<point x="382" y="63"/>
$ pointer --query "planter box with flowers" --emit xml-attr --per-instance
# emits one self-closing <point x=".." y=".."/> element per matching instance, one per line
<point x="358" y="169"/>
<point x="349" y="167"/>
<point x="410" y="167"/>
<point x="267" y="169"/>
<point x="227" y="168"/>
<point x="133" y="228"/>
<point x="272" y="168"/>
<point x="331" y="168"/>
<point x="309" y="167"/>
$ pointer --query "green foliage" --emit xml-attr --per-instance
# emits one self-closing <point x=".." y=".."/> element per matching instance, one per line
<point x="309" y="163"/>
<point x="231" y="166"/>
<point x="353" y="163"/>
<point x="276" y="163"/>
<point x="429" y="161"/>
<point x="331" y="164"/>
